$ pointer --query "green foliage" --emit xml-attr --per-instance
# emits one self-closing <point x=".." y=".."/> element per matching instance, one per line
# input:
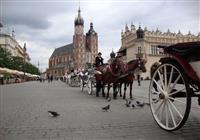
<point x="5" y="58"/>
<point x="16" y="63"/>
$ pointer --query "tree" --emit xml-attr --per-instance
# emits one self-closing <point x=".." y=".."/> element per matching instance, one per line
<point x="16" y="62"/>
<point x="5" y="58"/>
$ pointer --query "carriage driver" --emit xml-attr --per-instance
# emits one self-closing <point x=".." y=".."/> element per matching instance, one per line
<point x="98" y="60"/>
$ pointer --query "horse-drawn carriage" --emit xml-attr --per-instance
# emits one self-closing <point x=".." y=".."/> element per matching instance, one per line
<point x="173" y="83"/>
<point x="115" y="73"/>
<point x="110" y="74"/>
<point x="73" y="80"/>
<point x="87" y="80"/>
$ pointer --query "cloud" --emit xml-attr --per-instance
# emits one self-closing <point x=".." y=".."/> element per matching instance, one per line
<point x="46" y="25"/>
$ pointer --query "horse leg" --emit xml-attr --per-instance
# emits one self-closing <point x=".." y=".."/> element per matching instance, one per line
<point x="125" y="85"/>
<point x="131" y="84"/>
<point x="114" y="91"/>
<point x="97" y="88"/>
<point x="120" y="89"/>
<point x="107" y="96"/>
<point x="102" y="86"/>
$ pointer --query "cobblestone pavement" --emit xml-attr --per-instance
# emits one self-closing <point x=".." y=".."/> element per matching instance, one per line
<point x="23" y="115"/>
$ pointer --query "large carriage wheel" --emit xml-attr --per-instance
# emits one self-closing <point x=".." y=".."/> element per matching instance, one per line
<point x="89" y="86"/>
<point x="169" y="95"/>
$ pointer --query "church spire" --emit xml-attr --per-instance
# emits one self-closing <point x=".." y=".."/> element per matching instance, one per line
<point x="79" y="20"/>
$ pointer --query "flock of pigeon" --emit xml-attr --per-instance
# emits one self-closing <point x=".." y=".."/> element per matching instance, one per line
<point x="127" y="104"/>
<point x="107" y="107"/>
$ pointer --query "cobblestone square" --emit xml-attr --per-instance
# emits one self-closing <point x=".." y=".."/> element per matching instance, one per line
<point x="24" y="116"/>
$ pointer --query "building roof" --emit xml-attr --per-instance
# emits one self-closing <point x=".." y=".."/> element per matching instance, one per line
<point x="62" y="50"/>
<point x="61" y="65"/>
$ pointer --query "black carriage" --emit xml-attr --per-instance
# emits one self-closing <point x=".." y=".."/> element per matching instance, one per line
<point x="173" y="83"/>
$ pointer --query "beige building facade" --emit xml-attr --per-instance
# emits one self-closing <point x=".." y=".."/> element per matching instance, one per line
<point x="144" y="43"/>
<point x="11" y="45"/>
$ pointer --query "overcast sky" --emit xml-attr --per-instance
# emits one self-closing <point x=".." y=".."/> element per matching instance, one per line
<point x="47" y="24"/>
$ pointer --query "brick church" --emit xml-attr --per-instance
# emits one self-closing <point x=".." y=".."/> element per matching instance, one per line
<point x="76" y="55"/>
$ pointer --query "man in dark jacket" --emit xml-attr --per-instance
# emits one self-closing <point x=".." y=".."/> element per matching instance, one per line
<point x="98" y="60"/>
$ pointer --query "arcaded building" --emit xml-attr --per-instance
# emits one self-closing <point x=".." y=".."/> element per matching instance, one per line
<point x="144" y="43"/>
<point x="76" y="55"/>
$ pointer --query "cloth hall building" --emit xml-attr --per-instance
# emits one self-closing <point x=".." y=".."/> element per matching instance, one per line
<point x="76" y="55"/>
<point x="144" y="44"/>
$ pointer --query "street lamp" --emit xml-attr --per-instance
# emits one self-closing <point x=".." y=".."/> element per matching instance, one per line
<point x="24" y="59"/>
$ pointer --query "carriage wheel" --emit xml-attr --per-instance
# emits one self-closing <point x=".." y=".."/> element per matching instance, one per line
<point x="89" y="86"/>
<point x="170" y="98"/>
<point x="81" y="85"/>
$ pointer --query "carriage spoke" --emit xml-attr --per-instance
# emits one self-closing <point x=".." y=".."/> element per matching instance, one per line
<point x="161" y="79"/>
<point x="158" y="85"/>
<point x="170" y="78"/>
<point x="166" y="116"/>
<point x="177" y="100"/>
<point x="158" y="107"/>
<point x="171" y="114"/>
<point x="174" y="84"/>
<point x="176" y="109"/>
<point x="162" y="111"/>
<point x="165" y="76"/>
<point x="170" y="94"/>
<point x="155" y="91"/>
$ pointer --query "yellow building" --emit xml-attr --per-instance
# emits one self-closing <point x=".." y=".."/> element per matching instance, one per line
<point x="144" y="44"/>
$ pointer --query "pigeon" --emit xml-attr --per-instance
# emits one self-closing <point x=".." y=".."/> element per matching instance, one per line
<point x="133" y="105"/>
<point x="128" y="103"/>
<point x="108" y="99"/>
<point x="106" y="108"/>
<point x="147" y="103"/>
<point x="139" y="104"/>
<point x="53" y="114"/>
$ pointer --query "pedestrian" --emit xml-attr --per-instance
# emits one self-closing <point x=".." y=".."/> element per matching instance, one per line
<point x="139" y="80"/>
<point x="51" y="78"/>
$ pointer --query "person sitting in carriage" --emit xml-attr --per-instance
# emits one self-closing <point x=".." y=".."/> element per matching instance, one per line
<point x="98" y="62"/>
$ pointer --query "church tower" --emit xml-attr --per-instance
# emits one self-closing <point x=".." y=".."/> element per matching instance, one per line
<point x="91" y="44"/>
<point x="79" y="42"/>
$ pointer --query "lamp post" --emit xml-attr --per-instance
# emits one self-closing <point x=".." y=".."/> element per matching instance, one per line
<point x="24" y="59"/>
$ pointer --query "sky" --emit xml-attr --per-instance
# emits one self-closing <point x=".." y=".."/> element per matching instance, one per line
<point x="48" y="24"/>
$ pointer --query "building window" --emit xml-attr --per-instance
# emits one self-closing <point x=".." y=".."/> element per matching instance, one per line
<point x="154" y="50"/>
<point x="139" y="50"/>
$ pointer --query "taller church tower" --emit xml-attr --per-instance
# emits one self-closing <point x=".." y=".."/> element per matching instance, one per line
<point x="79" y="42"/>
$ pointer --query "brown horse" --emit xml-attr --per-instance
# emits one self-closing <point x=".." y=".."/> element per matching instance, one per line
<point x="107" y="74"/>
<point x="127" y="80"/>
<point x="120" y="73"/>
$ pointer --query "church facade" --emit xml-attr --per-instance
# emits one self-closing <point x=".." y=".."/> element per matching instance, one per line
<point x="143" y="43"/>
<point x="76" y="55"/>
